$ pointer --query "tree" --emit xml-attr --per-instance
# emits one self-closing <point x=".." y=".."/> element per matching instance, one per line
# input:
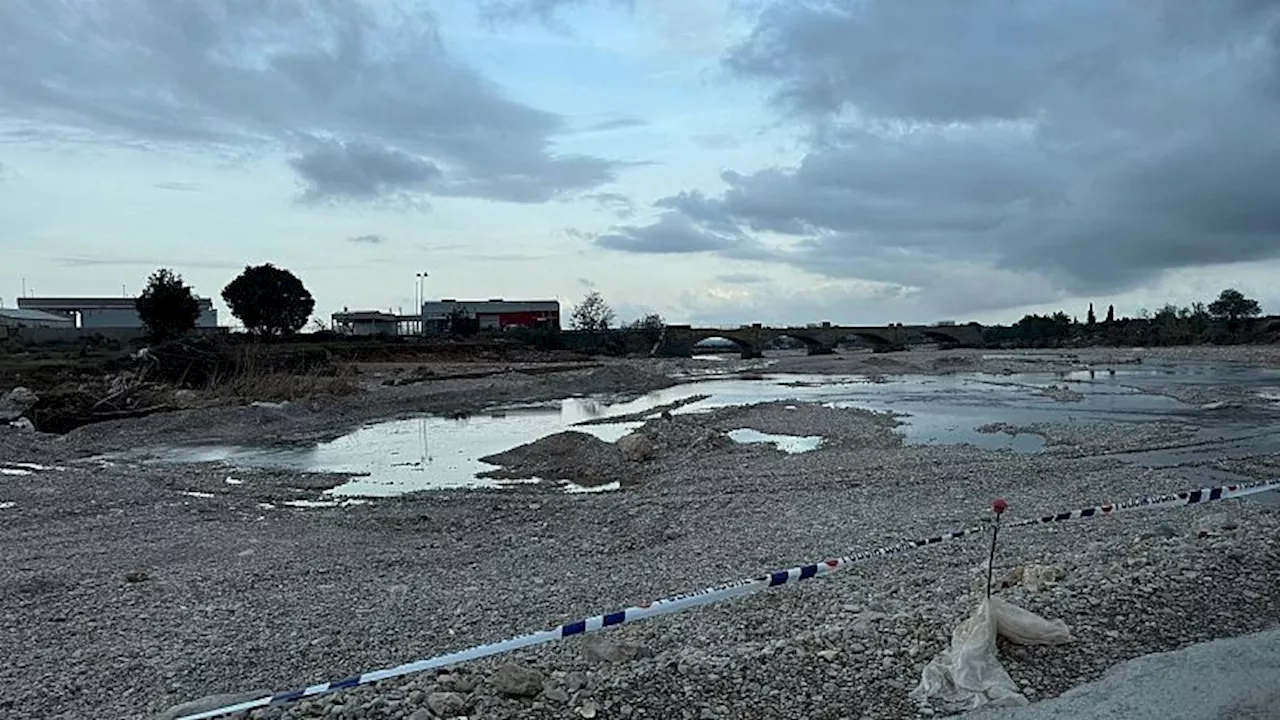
<point x="462" y="323"/>
<point x="651" y="322"/>
<point x="1111" y="315"/>
<point x="592" y="314"/>
<point x="269" y="300"/>
<point x="1091" y="319"/>
<point x="167" y="307"/>
<point x="1232" y="305"/>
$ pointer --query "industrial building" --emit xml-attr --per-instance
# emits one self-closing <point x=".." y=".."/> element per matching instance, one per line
<point x="438" y="317"/>
<point x="106" y="312"/>
<point x="493" y="314"/>
<point x="20" y="318"/>
<point x="373" y="322"/>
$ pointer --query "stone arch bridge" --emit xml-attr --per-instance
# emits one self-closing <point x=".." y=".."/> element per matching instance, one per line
<point x="679" y="340"/>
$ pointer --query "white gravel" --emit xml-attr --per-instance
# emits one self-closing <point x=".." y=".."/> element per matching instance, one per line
<point x="123" y="595"/>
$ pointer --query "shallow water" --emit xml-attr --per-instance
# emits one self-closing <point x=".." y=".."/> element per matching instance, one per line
<point x="434" y="453"/>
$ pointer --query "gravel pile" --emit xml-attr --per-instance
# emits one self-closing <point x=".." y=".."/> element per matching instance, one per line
<point x="129" y="588"/>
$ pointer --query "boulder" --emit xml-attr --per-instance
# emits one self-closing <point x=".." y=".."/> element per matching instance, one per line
<point x="517" y="681"/>
<point x="16" y="402"/>
<point x="447" y="704"/>
<point x="637" y="447"/>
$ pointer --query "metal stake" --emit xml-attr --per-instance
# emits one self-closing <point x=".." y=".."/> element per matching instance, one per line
<point x="999" y="506"/>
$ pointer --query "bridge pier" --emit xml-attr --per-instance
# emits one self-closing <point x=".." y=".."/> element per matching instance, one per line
<point x="821" y="350"/>
<point x="751" y="353"/>
<point x="677" y="341"/>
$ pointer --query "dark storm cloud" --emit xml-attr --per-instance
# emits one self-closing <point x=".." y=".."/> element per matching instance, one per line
<point x="675" y="233"/>
<point x="251" y="75"/>
<point x="360" y="171"/>
<point x="1091" y="144"/>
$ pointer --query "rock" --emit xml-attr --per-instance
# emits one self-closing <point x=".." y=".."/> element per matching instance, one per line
<point x="421" y="715"/>
<point x="517" y="681"/>
<point x="23" y="424"/>
<point x="210" y="702"/>
<point x="828" y="655"/>
<point x="1037" y="577"/>
<point x="575" y="681"/>
<point x="16" y="402"/>
<point x="637" y="447"/>
<point x="137" y="576"/>
<point x="557" y="694"/>
<point x="600" y="649"/>
<point x="464" y="683"/>
<point x="588" y="709"/>
<point x="447" y="704"/>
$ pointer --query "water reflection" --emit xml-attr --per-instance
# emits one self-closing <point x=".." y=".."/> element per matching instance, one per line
<point x="434" y="452"/>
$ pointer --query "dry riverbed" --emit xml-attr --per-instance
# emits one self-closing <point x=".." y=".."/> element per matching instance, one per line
<point x="131" y="587"/>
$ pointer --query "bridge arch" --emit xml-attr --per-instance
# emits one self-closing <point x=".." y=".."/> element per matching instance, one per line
<point x="941" y="337"/>
<point x="873" y="339"/>
<point x="747" y="349"/>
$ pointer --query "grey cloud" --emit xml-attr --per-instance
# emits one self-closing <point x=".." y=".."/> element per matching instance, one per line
<point x="239" y="75"/>
<point x="619" y="204"/>
<point x="338" y="170"/>
<point x="674" y="233"/>
<point x="543" y="11"/>
<point x="960" y="148"/>
<point x="615" y="124"/>
<point x="372" y="239"/>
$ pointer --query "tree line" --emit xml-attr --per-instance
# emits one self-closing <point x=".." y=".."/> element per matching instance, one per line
<point x="268" y="300"/>
<point x="1225" y="320"/>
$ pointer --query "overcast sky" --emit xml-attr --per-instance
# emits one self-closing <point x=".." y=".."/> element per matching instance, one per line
<point x="716" y="161"/>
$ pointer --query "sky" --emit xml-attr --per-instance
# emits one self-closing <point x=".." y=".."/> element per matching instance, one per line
<point x="718" y="162"/>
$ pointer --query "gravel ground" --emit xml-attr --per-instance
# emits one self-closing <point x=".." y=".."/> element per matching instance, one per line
<point x="130" y="588"/>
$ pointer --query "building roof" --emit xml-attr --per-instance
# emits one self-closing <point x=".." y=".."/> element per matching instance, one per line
<point x="35" y="316"/>
<point x="367" y="316"/>
<point x="444" y="307"/>
<point x="68" y="304"/>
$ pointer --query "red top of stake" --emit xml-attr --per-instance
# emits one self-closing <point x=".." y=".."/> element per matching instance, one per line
<point x="999" y="505"/>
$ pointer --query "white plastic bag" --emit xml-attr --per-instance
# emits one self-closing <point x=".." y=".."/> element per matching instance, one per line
<point x="968" y="675"/>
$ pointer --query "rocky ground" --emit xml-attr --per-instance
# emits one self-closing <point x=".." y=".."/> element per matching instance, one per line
<point x="129" y="588"/>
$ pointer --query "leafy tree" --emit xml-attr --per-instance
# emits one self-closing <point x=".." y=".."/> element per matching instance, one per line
<point x="650" y="322"/>
<point x="462" y="323"/>
<point x="269" y="300"/>
<point x="167" y="307"/>
<point x="1232" y="305"/>
<point x="592" y="314"/>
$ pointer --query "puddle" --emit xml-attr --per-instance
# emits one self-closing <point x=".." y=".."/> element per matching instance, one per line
<point x="436" y="453"/>
<point x="790" y="444"/>
<point x="322" y="503"/>
<point x="577" y="489"/>
<point x="14" y="471"/>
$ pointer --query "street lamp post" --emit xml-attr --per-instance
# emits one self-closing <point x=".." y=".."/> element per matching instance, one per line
<point x="421" y="277"/>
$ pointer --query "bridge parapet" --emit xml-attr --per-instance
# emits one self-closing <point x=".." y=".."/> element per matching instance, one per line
<point x="679" y="340"/>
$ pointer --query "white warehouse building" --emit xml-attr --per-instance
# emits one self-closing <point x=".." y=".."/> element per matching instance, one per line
<point x="106" y="312"/>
